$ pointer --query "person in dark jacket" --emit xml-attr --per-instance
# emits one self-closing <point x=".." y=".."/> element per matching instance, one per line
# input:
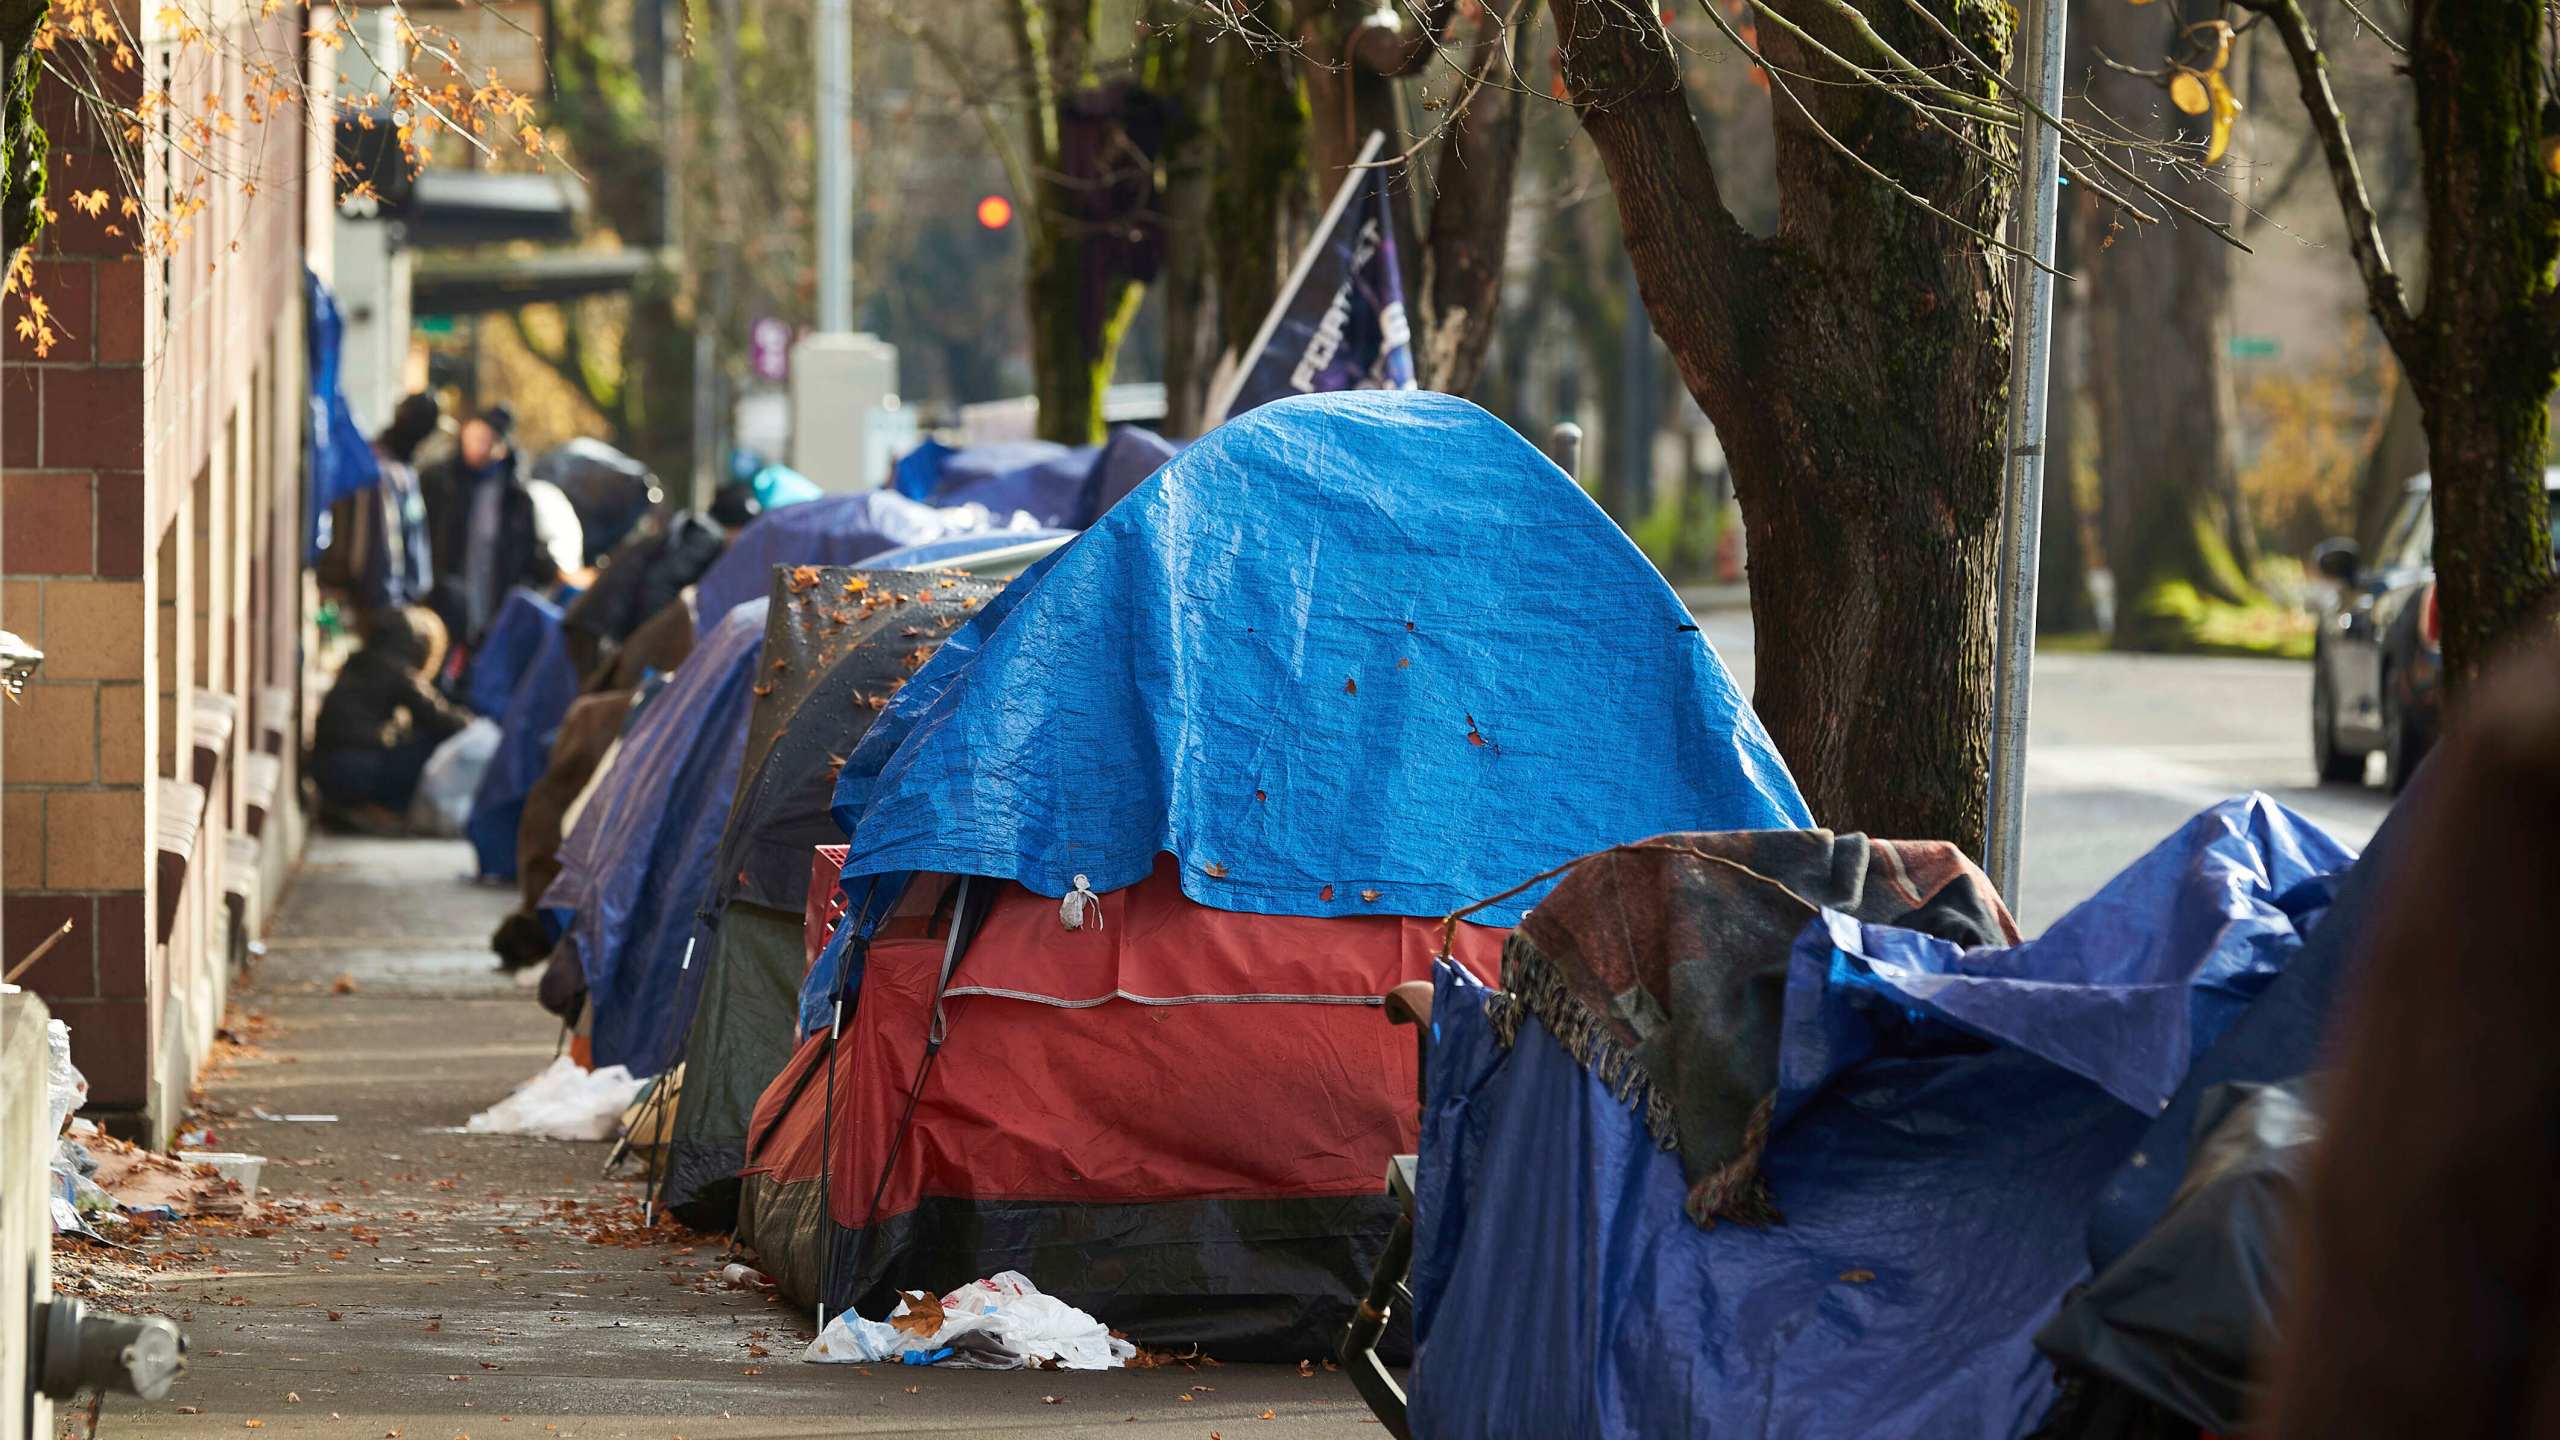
<point x="382" y="719"/>
<point x="493" y="529"/>
<point x="378" y="555"/>
<point x="641" y="578"/>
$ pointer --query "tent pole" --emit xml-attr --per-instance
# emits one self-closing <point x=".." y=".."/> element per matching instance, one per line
<point x="2022" y="490"/>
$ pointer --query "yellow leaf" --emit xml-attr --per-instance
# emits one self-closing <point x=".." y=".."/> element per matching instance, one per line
<point x="2187" y="93"/>
<point x="2225" y="105"/>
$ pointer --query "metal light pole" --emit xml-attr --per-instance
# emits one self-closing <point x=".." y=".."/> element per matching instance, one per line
<point x="835" y="166"/>
<point x="2022" y="493"/>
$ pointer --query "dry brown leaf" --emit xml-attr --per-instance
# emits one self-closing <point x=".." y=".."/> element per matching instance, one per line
<point x="345" y="984"/>
<point x="292" y="1397"/>
<point x="1350" y="687"/>
<point x="1270" y="1414"/>
<point x="1325" y="894"/>
<point x="1214" y="870"/>
<point x="915" y="1389"/>
<point x="924" y="1315"/>
<point x="1369" y="895"/>
<point x="1857" y="1277"/>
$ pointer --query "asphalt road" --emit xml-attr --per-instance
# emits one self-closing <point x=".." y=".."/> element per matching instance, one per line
<point x="2122" y="748"/>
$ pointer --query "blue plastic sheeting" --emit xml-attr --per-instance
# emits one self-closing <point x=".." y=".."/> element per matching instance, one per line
<point x="644" y="848"/>
<point x="1945" y="1121"/>
<point x="526" y="730"/>
<point x="342" y="461"/>
<point x="948" y="552"/>
<point x="838" y="530"/>
<point x="1040" y="478"/>
<point x="1351" y="654"/>
<point x="920" y="469"/>
<point x="513" y="637"/>
<point x="2277" y="1039"/>
<point x="777" y="486"/>
<point x="1126" y="461"/>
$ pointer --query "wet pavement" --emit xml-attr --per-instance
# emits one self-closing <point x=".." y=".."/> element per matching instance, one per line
<point x="403" y="1279"/>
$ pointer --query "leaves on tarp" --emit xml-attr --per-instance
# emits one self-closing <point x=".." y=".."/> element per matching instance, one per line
<point x="1325" y="894"/>
<point x="923" y="1319"/>
<point x="1350" y="687"/>
<point x="805" y="577"/>
<point x="1214" y="870"/>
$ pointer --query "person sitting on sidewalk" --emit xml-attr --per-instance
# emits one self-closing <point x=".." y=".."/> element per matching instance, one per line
<point x="381" y="721"/>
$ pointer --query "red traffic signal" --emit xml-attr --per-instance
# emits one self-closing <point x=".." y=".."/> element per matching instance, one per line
<point x="995" y="212"/>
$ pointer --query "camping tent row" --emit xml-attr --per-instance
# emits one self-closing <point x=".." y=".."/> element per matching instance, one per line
<point x="1133" y="856"/>
<point x="527" y="674"/>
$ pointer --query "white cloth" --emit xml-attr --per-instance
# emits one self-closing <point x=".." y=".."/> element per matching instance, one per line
<point x="452" y="777"/>
<point x="556" y="527"/>
<point x="1003" y="1322"/>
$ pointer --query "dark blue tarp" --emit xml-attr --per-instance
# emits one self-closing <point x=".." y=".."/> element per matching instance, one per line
<point x="635" y="869"/>
<point x="1040" y="478"/>
<point x="516" y="633"/>
<point x="526" y="730"/>
<point x="920" y="469"/>
<point x="1945" y="1120"/>
<point x="837" y="530"/>
<point x="342" y="461"/>
<point x="1352" y="654"/>
<point x="1132" y="454"/>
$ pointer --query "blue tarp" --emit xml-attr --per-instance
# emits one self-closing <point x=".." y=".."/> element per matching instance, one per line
<point x="1040" y="478"/>
<point x="1945" y="1121"/>
<point x="526" y="730"/>
<point x="341" y="460"/>
<point x="514" y="635"/>
<point x="920" y="469"/>
<point x="1351" y="654"/>
<point x="837" y="530"/>
<point x="1126" y="461"/>
<point x="634" y="871"/>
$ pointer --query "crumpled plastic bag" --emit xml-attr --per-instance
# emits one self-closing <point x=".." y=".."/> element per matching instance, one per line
<point x="1003" y="1322"/>
<point x="562" y="1103"/>
<point x="65" y="1088"/>
<point x="443" y="800"/>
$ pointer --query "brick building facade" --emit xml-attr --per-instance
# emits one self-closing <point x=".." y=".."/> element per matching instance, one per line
<point x="150" y="523"/>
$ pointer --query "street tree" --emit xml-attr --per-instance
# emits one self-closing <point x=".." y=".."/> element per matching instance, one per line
<point x="1854" y="359"/>
<point x="2480" y="344"/>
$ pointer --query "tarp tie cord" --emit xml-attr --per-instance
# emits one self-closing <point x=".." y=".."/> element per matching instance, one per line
<point x="1079" y="903"/>
<point x="1449" y="922"/>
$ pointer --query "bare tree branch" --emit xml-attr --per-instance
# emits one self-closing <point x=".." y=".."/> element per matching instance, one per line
<point x="2384" y="292"/>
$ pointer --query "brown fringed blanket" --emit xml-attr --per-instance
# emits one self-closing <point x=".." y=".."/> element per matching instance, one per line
<point x="1662" y="967"/>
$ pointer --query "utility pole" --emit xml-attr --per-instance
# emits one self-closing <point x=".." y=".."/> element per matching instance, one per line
<point x="2022" y="493"/>
<point x="835" y="166"/>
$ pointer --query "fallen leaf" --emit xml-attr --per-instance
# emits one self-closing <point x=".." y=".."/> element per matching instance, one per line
<point x="924" y="1315"/>
<point x="1351" y="687"/>
<point x="1369" y="895"/>
<point x="253" y="1424"/>
<point x="1404" y="662"/>
<point x="189" y="1410"/>
<point x="1048" y="1399"/>
<point x="1306" y="1369"/>
<point x="915" y="1389"/>
<point x="751" y="1370"/>
<point x="1185" y="1397"/>
<point x="1325" y="894"/>
<point x="1270" y="1415"/>
<point x="1857" y="1277"/>
<point x="334" y="1315"/>
<point x="292" y="1397"/>
<point x="345" y="984"/>
<point x="1214" y="870"/>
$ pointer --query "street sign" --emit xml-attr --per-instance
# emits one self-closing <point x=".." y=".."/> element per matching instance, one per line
<point x="2252" y="347"/>
<point x="434" y="324"/>
<point x="769" y="346"/>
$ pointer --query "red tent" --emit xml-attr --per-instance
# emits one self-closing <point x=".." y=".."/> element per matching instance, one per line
<point x="1176" y="1118"/>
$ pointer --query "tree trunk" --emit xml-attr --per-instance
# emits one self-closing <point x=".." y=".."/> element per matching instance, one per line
<point x="2159" y="332"/>
<point x="2488" y="333"/>
<point x="1856" y="367"/>
<point x="1463" y="250"/>
<point x="1191" y="157"/>
<point x="2063" y="606"/>
<point x="1258" y="206"/>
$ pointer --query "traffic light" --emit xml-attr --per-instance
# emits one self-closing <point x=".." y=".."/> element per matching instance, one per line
<point x="995" y="212"/>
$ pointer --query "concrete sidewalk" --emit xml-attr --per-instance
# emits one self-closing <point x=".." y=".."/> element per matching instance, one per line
<point x="404" y="1279"/>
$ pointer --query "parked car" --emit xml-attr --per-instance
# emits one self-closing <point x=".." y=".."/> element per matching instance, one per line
<point x="2377" y="659"/>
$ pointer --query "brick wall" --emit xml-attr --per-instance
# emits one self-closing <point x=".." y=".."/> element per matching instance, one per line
<point x="146" y="460"/>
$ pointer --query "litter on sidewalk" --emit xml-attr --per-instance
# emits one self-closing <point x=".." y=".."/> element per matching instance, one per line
<point x="1003" y="1322"/>
<point x="562" y="1103"/>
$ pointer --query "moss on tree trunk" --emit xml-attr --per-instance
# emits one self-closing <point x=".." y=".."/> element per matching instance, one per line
<point x="2489" y="352"/>
<point x="22" y="138"/>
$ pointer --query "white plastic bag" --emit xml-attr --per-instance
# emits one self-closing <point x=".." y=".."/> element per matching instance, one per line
<point x="562" y="1103"/>
<point x="65" y="1088"/>
<point x="452" y="777"/>
<point x="1003" y="1322"/>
